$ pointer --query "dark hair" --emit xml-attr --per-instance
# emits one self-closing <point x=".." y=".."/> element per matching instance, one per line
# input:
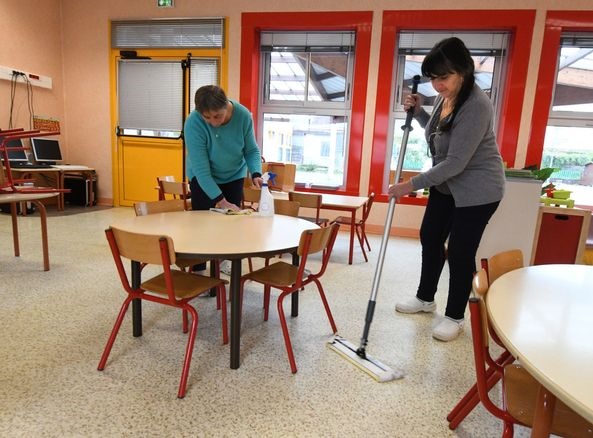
<point x="210" y="98"/>
<point x="451" y="56"/>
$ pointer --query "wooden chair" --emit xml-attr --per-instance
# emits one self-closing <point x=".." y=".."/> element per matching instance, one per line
<point x="251" y="197"/>
<point x="285" y="207"/>
<point x="359" y="226"/>
<point x="309" y="200"/>
<point x="160" y="188"/>
<point x="176" y="190"/>
<point x="167" y="205"/>
<point x="172" y="287"/>
<point x="495" y="266"/>
<point x="289" y="278"/>
<point x="519" y="387"/>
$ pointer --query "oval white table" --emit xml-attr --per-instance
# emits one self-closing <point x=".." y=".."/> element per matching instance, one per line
<point x="212" y="235"/>
<point x="544" y="315"/>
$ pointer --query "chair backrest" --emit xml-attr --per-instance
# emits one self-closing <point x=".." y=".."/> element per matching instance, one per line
<point x="285" y="175"/>
<point x="144" y="208"/>
<point x="314" y="241"/>
<point x="178" y="189"/>
<point x="503" y="262"/>
<point x="251" y="196"/>
<point x="286" y="207"/>
<point x="480" y="287"/>
<point x="367" y="207"/>
<point x="307" y="200"/>
<point x="160" y="187"/>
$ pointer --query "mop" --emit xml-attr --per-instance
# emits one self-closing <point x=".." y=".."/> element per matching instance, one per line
<point x="358" y="356"/>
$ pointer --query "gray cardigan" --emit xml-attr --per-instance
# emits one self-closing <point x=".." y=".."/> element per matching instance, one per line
<point x="466" y="157"/>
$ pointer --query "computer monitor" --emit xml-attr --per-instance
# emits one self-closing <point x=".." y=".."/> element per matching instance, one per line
<point x="46" y="150"/>
<point x="15" y="154"/>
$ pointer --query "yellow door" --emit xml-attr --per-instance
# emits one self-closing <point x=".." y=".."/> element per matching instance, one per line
<point x="141" y="161"/>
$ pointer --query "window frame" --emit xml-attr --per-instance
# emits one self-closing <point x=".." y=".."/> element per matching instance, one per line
<point x="557" y="22"/>
<point x="519" y="22"/>
<point x="252" y="24"/>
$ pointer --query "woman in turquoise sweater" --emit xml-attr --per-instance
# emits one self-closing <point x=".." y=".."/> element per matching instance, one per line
<point x="221" y="148"/>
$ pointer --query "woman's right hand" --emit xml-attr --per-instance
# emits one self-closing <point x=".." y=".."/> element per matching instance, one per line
<point x="412" y="101"/>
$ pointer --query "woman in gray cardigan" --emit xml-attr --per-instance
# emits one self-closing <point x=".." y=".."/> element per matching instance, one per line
<point x="466" y="181"/>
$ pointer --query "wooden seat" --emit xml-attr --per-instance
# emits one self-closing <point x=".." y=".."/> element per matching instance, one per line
<point x="172" y="287"/>
<point x="359" y="226"/>
<point x="495" y="266"/>
<point x="289" y="278"/>
<point x="309" y="200"/>
<point x="519" y="387"/>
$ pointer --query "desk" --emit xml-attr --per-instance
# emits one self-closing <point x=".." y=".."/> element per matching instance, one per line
<point x="54" y="177"/>
<point x="210" y="235"/>
<point x="35" y="198"/>
<point x="543" y="316"/>
<point x="340" y="203"/>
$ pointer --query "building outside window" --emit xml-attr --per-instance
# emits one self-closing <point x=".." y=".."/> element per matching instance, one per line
<point x="568" y="146"/>
<point x="306" y="107"/>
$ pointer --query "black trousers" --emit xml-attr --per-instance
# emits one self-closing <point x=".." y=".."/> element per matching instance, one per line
<point x="232" y="192"/>
<point x="463" y="226"/>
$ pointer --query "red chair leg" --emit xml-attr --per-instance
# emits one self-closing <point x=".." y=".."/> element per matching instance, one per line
<point x="287" y="342"/>
<point x="188" y="350"/>
<point x="361" y="241"/>
<point x="114" y="331"/>
<point x="326" y="306"/>
<point x="471" y="399"/>
<point x="184" y="319"/>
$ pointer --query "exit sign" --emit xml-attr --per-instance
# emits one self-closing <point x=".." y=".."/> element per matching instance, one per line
<point x="164" y="3"/>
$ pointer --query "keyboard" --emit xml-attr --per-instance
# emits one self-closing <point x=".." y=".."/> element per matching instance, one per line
<point x="25" y="165"/>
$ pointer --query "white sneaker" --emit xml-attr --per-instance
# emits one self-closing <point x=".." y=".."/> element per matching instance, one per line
<point x="415" y="305"/>
<point x="225" y="267"/>
<point x="448" y="329"/>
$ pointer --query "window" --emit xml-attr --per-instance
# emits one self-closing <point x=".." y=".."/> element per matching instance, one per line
<point x="306" y="107"/>
<point x="567" y="145"/>
<point x="488" y="50"/>
<point x="517" y="24"/>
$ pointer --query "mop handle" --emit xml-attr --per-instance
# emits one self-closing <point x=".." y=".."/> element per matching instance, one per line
<point x="407" y="127"/>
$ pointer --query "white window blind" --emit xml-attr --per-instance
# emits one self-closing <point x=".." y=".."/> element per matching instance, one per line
<point x="204" y="71"/>
<point x="186" y="33"/>
<point x="307" y="41"/>
<point x="418" y="42"/>
<point x="150" y="95"/>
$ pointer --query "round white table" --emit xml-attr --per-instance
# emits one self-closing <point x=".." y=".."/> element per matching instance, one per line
<point x="544" y="315"/>
<point x="212" y="235"/>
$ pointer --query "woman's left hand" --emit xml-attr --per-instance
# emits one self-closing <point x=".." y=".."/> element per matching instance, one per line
<point x="400" y="189"/>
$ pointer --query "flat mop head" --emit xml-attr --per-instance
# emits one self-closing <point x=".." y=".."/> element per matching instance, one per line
<point x="374" y="368"/>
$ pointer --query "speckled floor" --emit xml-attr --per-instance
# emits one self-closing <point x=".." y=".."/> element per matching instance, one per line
<point x="54" y="326"/>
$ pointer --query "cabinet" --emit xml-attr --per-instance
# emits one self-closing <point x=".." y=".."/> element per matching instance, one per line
<point x="561" y="235"/>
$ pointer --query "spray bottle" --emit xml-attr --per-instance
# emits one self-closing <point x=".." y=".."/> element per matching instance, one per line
<point x="266" y="201"/>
